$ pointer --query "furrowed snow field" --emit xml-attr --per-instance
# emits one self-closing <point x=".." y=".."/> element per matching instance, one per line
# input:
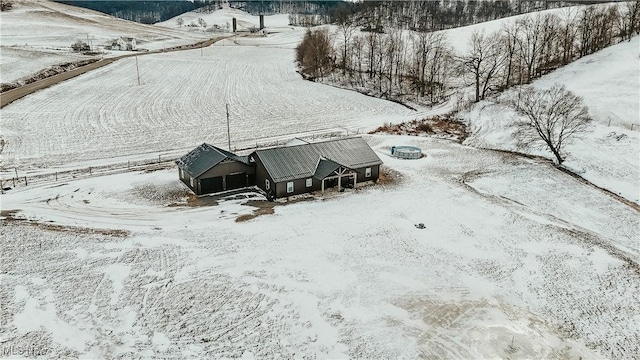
<point x="517" y="260"/>
<point x="180" y="104"/>
<point x="45" y="30"/>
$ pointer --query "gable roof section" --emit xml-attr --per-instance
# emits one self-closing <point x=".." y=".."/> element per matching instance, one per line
<point x="316" y="159"/>
<point x="204" y="157"/>
<point x="325" y="168"/>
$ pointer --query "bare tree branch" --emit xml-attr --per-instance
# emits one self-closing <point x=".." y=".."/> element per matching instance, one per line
<point x="554" y="117"/>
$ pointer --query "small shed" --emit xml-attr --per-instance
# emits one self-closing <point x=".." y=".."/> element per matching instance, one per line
<point x="208" y="169"/>
<point x="297" y="169"/>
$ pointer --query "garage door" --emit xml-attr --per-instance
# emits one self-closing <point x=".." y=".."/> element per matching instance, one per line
<point x="236" y="181"/>
<point x="211" y="185"/>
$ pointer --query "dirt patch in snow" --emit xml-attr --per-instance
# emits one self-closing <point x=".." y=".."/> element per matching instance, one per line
<point x="11" y="215"/>
<point x="389" y="176"/>
<point x="440" y="126"/>
<point x="161" y="194"/>
<point x="264" y="207"/>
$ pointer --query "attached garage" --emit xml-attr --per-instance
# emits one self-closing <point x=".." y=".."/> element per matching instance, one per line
<point x="236" y="181"/>
<point x="208" y="169"/>
<point x="211" y="185"/>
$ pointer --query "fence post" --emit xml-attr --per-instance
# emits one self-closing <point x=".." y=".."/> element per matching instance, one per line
<point x="158" y="158"/>
<point x="89" y="170"/>
<point x="128" y="164"/>
<point x="25" y="181"/>
<point x="16" y="170"/>
<point x="14" y="182"/>
<point x="56" y="176"/>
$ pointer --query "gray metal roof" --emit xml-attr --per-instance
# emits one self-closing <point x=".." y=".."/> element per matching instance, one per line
<point x="204" y="157"/>
<point x="325" y="168"/>
<point x="295" y="162"/>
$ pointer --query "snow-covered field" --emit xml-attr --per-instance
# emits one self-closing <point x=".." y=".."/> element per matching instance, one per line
<point x="223" y="19"/>
<point x="517" y="260"/>
<point x="608" y="154"/>
<point x="36" y="34"/>
<point x="180" y="104"/>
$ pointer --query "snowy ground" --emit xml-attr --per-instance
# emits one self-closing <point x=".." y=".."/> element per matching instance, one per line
<point x="36" y="34"/>
<point x="223" y="19"/>
<point x="609" y="153"/>
<point x="517" y="260"/>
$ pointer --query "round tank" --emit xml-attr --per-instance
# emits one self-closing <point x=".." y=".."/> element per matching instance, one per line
<point x="406" y="152"/>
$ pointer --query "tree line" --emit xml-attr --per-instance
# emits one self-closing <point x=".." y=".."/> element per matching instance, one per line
<point x="424" y="15"/>
<point x="422" y="66"/>
<point x="146" y="12"/>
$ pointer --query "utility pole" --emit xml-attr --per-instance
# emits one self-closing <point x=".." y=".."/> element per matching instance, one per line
<point x="137" y="70"/>
<point x="228" y="131"/>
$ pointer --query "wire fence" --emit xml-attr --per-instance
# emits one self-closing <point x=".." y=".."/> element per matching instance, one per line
<point x="162" y="161"/>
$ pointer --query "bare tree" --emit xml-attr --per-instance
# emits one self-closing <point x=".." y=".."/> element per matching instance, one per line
<point x="202" y="23"/>
<point x="554" y="117"/>
<point x="568" y="33"/>
<point x="484" y="61"/>
<point x="180" y="21"/>
<point x="347" y="27"/>
<point x="422" y="46"/>
<point x="631" y="20"/>
<point x="440" y="66"/>
<point x="529" y="42"/>
<point x="510" y="47"/>
<point x="314" y="54"/>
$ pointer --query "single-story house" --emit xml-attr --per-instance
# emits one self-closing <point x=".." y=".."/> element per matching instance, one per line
<point x="282" y="171"/>
<point x="209" y="169"/>
<point x="292" y="170"/>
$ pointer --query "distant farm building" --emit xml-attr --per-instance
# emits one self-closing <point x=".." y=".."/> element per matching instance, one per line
<point x="281" y="171"/>
<point x="123" y="44"/>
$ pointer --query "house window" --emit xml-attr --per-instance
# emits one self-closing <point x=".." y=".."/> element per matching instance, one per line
<point x="309" y="182"/>
<point x="191" y="182"/>
<point x="267" y="185"/>
<point x="367" y="172"/>
<point x="181" y="174"/>
<point x="290" y="187"/>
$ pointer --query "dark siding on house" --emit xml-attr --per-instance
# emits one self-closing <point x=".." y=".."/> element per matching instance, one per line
<point x="299" y="187"/>
<point x="375" y="173"/>
<point x="228" y="167"/>
<point x="227" y="175"/>
<point x="261" y="176"/>
<point x="187" y="181"/>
